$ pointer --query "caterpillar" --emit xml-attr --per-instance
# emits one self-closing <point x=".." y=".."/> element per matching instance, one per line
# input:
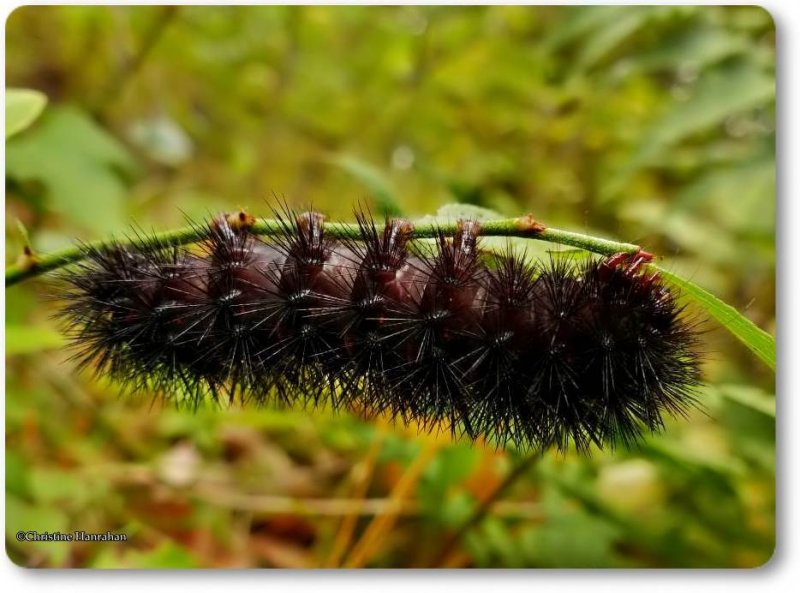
<point x="529" y="354"/>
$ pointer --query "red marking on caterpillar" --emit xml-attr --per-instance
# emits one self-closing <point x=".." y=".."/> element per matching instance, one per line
<point x="534" y="354"/>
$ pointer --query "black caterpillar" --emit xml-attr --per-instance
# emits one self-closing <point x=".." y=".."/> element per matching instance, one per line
<point x="537" y="355"/>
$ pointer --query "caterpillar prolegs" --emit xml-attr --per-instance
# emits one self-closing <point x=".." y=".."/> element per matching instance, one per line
<point x="534" y="354"/>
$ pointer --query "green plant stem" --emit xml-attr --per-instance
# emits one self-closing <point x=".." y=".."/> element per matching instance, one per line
<point x="508" y="227"/>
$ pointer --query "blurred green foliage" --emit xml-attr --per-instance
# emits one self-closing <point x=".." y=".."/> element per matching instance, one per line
<point x="23" y="106"/>
<point x="647" y="124"/>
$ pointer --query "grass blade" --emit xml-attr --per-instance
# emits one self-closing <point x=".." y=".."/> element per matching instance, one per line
<point x="756" y="339"/>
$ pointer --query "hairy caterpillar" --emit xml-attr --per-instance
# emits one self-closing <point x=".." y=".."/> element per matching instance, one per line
<point x="537" y="355"/>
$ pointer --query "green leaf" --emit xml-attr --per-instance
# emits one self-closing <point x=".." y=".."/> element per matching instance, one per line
<point x="502" y="542"/>
<point x="749" y="397"/>
<point x="375" y="181"/>
<point x="25" y="339"/>
<point x="753" y="184"/>
<point x="23" y="106"/>
<point x="23" y="516"/>
<point x="81" y="165"/>
<point x="602" y="41"/>
<point x="17" y="479"/>
<point x="166" y="554"/>
<point x="452" y="212"/>
<point x="719" y="95"/>
<point x="581" y="22"/>
<point x="59" y="488"/>
<point x="699" y="47"/>
<point x="571" y="536"/>
<point x="756" y="339"/>
<point x="689" y="458"/>
<point x="451" y="466"/>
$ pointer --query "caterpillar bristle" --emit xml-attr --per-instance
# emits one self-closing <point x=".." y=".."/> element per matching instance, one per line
<point x="496" y="358"/>
<point x="535" y="355"/>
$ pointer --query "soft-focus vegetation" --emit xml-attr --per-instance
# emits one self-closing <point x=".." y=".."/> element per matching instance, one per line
<point x="651" y="125"/>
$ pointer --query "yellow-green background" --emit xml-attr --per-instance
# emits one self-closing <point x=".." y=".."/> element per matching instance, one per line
<point x="650" y="125"/>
